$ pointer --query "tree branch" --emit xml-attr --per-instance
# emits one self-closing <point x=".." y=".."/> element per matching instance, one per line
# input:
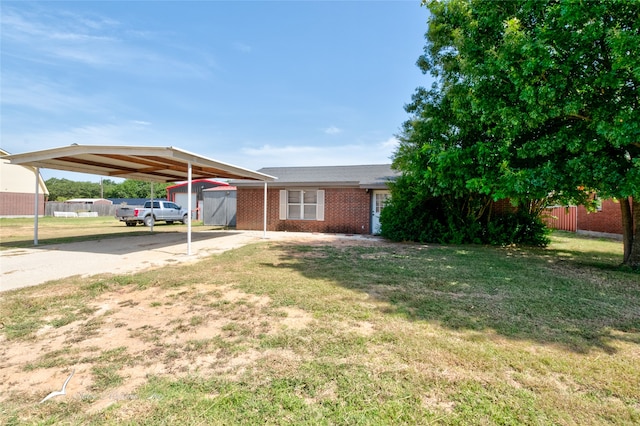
<point x="579" y="117"/>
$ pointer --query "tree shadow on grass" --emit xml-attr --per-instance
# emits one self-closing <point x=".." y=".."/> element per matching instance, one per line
<point x="519" y="294"/>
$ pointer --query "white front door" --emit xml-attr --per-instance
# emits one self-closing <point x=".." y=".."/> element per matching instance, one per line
<point x="378" y="201"/>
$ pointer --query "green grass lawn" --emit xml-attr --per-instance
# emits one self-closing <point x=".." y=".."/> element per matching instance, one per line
<point x="279" y="333"/>
<point x="19" y="232"/>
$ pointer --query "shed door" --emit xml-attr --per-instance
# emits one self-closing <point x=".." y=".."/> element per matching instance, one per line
<point x="182" y="199"/>
<point x="378" y="201"/>
<point x="219" y="208"/>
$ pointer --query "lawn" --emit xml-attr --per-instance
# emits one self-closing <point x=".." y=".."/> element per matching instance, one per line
<point x="344" y="333"/>
<point x="18" y="232"/>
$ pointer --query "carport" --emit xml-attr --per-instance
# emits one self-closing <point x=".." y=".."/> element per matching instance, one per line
<point x="151" y="164"/>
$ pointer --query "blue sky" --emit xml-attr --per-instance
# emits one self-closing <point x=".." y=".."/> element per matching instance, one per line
<point x="255" y="84"/>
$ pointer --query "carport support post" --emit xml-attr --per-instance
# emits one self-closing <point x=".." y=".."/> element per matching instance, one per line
<point x="189" y="209"/>
<point x="36" y="209"/>
<point x="264" y="214"/>
<point x="152" y="215"/>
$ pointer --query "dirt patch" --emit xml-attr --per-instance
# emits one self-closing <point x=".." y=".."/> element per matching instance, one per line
<point x="128" y="335"/>
<point x="150" y="332"/>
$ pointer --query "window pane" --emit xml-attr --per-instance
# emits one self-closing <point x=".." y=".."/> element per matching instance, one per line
<point x="294" y="197"/>
<point x="381" y="200"/>
<point x="294" y="211"/>
<point x="310" y="197"/>
<point x="310" y="211"/>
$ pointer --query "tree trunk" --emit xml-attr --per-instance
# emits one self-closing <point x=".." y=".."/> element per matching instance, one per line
<point x="630" y="208"/>
<point x="634" y="258"/>
<point x="627" y="228"/>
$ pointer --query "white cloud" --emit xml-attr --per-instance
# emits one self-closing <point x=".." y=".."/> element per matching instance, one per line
<point x="126" y="133"/>
<point x="332" y="130"/>
<point x="242" y="47"/>
<point x="390" y="144"/>
<point x="41" y="94"/>
<point x="307" y="155"/>
<point x="285" y="150"/>
<point x="56" y="35"/>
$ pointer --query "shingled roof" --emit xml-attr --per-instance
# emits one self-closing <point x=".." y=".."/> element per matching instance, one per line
<point x="373" y="176"/>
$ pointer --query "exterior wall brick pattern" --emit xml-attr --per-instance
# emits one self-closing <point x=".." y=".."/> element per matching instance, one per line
<point x="608" y="219"/>
<point x="346" y="210"/>
<point x="20" y="204"/>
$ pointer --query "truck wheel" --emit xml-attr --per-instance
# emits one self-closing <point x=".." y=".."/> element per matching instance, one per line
<point x="131" y="223"/>
<point x="149" y="221"/>
<point x="184" y="219"/>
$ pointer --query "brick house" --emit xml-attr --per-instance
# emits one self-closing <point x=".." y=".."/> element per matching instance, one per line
<point x="328" y="199"/>
<point x="17" y="189"/>
<point x="606" y="220"/>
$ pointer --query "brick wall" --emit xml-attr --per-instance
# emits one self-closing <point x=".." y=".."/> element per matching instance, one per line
<point x="346" y="211"/>
<point x="608" y="220"/>
<point x="19" y="204"/>
<point x="503" y="206"/>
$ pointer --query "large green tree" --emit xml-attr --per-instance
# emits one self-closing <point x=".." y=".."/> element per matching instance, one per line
<point x="552" y="87"/>
<point x="138" y="189"/>
<point x="65" y="189"/>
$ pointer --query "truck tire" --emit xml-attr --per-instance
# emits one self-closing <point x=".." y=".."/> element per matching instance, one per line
<point x="184" y="219"/>
<point x="149" y="220"/>
<point x="131" y="223"/>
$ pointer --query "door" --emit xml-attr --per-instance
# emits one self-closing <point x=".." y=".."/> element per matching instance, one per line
<point x="172" y="211"/>
<point x="182" y="199"/>
<point x="219" y="208"/>
<point x="378" y="200"/>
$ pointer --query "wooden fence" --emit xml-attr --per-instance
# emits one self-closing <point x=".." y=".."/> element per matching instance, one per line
<point x="562" y="218"/>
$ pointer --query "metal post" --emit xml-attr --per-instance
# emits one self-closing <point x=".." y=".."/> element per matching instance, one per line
<point x="152" y="215"/>
<point x="189" y="210"/>
<point x="36" y="209"/>
<point x="264" y="214"/>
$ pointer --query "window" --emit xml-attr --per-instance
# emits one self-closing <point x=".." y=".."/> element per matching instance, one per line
<point x="598" y="202"/>
<point x="301" y="204"/>
<point x="380" y="201"/>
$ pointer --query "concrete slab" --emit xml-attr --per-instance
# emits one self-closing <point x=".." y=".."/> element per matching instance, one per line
<point x="32" y="266"/>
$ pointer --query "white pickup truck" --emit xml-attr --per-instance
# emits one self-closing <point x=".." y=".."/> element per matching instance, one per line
<point x="162" y="211"/>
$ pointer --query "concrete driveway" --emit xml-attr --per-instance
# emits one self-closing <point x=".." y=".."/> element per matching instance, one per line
<point x="32" y="266"/>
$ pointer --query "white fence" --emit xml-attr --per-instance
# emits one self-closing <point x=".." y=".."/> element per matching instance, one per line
<point x="74" y="214"/>
<point x="58" y="209"/>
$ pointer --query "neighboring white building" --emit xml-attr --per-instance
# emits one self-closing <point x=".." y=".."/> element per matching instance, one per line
<point x="17" y="189"/>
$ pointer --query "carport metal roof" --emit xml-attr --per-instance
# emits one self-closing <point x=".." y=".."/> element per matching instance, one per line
<point x="153" y="164"/>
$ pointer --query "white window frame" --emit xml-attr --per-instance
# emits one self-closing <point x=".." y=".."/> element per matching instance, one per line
<point x="284" y="204"/>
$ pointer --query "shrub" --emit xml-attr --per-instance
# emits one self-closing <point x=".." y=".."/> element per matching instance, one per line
<point x="432" y="221"/>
